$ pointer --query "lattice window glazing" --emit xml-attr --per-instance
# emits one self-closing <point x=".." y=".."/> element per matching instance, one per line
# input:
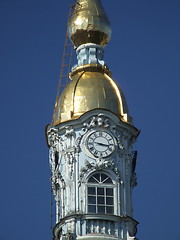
<point x="100" y="194"/>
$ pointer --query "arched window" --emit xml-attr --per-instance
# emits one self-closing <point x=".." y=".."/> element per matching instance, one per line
<point x="100" y="190"/>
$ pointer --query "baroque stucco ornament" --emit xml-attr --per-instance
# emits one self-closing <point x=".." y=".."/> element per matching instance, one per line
<point x="97" y="121"/>
<point x="98" y="165"/>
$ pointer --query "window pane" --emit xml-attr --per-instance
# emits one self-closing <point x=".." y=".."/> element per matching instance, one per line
<point x="91" y="191"/>
<point x="100" y="200"/>
<point x="91" y="208"/>
<point x="103" y="177"/>
<point x="109" y="200"/>
<point x="110" y="210"/>
<point x="97" y="177"/>
<point x="108" y="180"/>
<point x="100" y="191"/>
<point x="101" y="209"/>
<point x="109" y="191"/>
<point x="92" y="199"/>
<point x="92" y="180"/>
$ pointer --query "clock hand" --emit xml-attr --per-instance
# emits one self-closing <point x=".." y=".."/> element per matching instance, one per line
<point x="101" y="144"/>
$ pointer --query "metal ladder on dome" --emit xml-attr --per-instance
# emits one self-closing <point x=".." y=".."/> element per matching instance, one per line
<point x="63" y="80"/>
<point x="66" y="62"/>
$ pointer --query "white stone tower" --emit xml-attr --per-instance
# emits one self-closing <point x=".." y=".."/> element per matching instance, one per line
<point x="91" y="157"/>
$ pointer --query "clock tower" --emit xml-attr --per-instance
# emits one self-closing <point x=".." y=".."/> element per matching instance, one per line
<point x="91" y="140"/>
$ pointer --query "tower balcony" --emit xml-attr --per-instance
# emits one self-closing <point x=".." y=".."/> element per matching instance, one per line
<point x="91" y="226"/>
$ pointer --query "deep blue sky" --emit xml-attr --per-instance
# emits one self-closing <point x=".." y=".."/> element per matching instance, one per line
<point x="144" y="56"/>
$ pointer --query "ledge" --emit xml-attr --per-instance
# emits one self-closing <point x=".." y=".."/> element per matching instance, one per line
<point x="75" y="216"/>
<point x="92" y="67"/>
<point x="97" y="237"/>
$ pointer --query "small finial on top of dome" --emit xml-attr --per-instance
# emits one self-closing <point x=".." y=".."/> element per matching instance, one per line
<point x="89" y="24"/>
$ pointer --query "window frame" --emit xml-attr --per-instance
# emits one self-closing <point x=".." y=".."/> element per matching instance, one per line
<point x="105" y="186"/>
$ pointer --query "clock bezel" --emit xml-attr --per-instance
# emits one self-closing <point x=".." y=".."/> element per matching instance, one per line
<point x="100" y="154"/>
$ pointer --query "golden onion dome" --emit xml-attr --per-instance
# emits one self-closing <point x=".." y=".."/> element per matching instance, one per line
<point x="91" y="87"/>
<point x="89" y="24"/>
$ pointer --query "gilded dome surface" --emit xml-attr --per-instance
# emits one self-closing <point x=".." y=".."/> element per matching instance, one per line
<point x="90" y="90"/>
<point x="89" y="24"/>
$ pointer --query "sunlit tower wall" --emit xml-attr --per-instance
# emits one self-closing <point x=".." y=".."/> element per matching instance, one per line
<point x="91" y="140"/>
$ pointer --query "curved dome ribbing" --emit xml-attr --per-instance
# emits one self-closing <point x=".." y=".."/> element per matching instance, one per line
<point x="89" y="90"/>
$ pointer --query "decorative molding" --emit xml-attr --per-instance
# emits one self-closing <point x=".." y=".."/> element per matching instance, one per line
<point x="100" y="164"/>
<point x="68" y="236"/>
<point x="57" y="181"/>
<point x="69" y="132"/>
<point x="52" y="159"/>
<point x="90" y="53"/>
<point x="97" y="121"/>
<point x="78" y="141"/>
<point x="53" y="137"/>
<point x="70" y="158"/>
<point x="70" y="162"/>
<point x="120" y="145"/>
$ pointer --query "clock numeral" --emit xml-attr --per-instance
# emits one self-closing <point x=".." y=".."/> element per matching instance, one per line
<point x="90" y="147"/>
<point x="95" y="153"/>
<point x="98" y="154"/>
<point x="110" y="148"/>
<point x="103" y="134"/>
<point x="104" y="154"/>
<point x="91" y="138"/>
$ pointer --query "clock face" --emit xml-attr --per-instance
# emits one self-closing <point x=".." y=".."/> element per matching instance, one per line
<point x="100" y="144"/>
